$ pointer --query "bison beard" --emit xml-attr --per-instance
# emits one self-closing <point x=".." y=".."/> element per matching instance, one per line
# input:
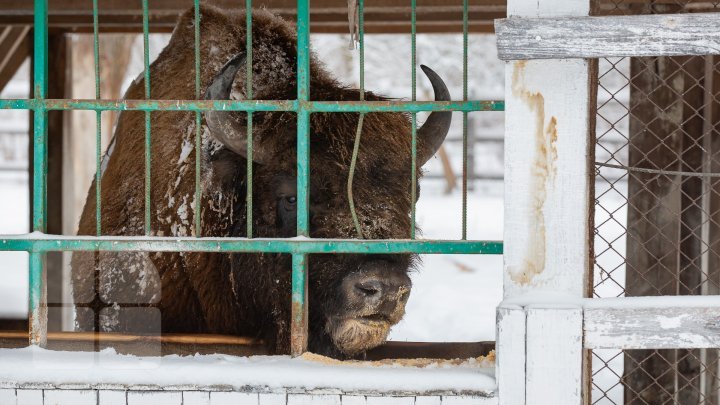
<point x="354" y="300"/>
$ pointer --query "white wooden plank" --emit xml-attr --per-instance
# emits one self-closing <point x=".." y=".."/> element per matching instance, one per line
<point x="7" y="396"/>
<point x="376" y="400"/>
<point x="272" y="399"/>
<point x="608" y="36"/>
<point x="427" y="400"/>
<point x="112" y="397"/>
<point x="353" y="400"/>
<point x="547" y="143"/>
<point x="547" y="8"/>
<point x="510" y="351"/>
<point x="196" y="398"/>
<point x="652" y="328"/>
<point x="306" y="399"/>
<point x="154" y="397"/>
<point x="233" y="398"/>
<point x="70" y="397"/>
<point x="468" y="400"/>
<point x="29" y="397"/>
<point x="554" y="356"/>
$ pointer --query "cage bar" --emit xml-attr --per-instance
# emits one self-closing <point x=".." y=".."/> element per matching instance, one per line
<point x="249" y="96"/>
<point x="298" y="328"/>
<point x="148" y="135"/>
<point x="465" y="121"/>
<point x="254" y="105"/>
<point x="413" y="141"/>
<point x="40" y="243"/>
<point x="198" y="121"/>
<point x="38" y="289"/>
<point x="98" y="122"/>
<point x="361" y="117"/>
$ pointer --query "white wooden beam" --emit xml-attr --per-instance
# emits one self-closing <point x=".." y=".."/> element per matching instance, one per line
<point x="196" y="398"/>
<point x="549" y="139"/>
<point x="608" y="36"/>
<point x="70" y="397"/>
<point x="112" y="397"/>
<point x="660" y="323"/>
<point x="510" y="349"/>
<point x="554" y="356"/>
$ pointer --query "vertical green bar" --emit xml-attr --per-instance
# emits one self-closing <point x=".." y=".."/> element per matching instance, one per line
<point x="465" y="95"/>
<point x="198" y="121"/>
<point x="298" y="329"/>
<point x="303" y="127"/>
<point x="361" y="39"/>
<point x="249" y="96"/>
<point x="413" y="147"/>
<point x="299" y="326"/>
<point x="358" y="133"/>
<point x="465" y="120"/>
<point x="38" y="314"/>
<point x="98" y="122"/>
<point x="148" y="143"/>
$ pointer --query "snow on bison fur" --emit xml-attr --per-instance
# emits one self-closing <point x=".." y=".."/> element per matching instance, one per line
<point x="354" y="299"/>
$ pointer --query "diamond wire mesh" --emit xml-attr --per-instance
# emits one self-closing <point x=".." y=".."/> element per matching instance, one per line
<point x="657" y="230"/>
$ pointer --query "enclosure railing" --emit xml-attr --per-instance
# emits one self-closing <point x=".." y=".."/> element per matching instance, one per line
<point x="38" y="243"/>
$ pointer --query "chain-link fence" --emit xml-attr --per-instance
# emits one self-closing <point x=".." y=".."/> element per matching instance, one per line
<point x="657" y="206"/>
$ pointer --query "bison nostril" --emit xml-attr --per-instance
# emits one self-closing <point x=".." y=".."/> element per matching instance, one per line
<point x="369" y="288"/>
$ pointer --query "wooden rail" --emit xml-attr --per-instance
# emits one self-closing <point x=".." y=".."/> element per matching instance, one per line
<point x="189" y="344"/>
<point x="610" y="36"/>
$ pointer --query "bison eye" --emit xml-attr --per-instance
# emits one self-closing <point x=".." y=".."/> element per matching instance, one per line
<point x="291" y="199"/>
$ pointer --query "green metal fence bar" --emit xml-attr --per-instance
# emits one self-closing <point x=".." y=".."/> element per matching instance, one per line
<point x="38" y="244"/>
<point x="249" y="95"/>
<point x="148" y="135"/>
<point x="198" y="121"/>
<point x="465" y="121"/>
<point x="299" y="321"/>
<point x="38" y="314"/>
<point x="298" y="327"/>
<point x="413" y="133"/>
<point x="43" y="243"/>
<point x="98" y="122"/>
<point x="254" y="105"/>
<point x="361" y="118"/>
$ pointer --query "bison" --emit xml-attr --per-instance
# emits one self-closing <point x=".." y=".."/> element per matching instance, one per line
<point x="353" y="299"/>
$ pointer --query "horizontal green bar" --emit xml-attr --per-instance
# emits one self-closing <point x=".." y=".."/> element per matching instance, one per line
<point x="254" y="105"/>
<point x="404" y="106"/>
<point x="152" y="105"/>
<point x="37" y="242"/>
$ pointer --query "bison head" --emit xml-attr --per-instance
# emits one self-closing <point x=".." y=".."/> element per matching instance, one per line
<point x="354" y="299"/>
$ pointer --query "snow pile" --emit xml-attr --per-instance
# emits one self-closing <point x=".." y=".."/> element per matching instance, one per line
<point x="271" y="373"/>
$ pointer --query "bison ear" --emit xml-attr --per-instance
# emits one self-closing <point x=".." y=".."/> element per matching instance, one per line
<point x="433" y="132"/>
<point x="230" y="127"/>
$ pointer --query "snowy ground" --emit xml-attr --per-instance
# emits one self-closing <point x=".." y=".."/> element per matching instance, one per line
<point x="34" y="365"/>
<point x="13" y="265"/>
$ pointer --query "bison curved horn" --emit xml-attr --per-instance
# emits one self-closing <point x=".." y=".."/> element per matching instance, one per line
<point x="432" y="133"/>
<point x="230" y="127"/>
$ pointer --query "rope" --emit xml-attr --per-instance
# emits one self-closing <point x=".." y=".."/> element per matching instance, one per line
<point x="356" y="149"/>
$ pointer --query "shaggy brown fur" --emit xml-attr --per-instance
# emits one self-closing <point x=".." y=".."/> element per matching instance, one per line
<point x="245" y="294"/>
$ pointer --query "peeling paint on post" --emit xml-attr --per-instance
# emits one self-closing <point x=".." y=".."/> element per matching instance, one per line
<point x="547" y="190"/>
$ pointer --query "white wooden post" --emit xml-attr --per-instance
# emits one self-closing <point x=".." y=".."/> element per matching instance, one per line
<point x="549" y="129"/>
